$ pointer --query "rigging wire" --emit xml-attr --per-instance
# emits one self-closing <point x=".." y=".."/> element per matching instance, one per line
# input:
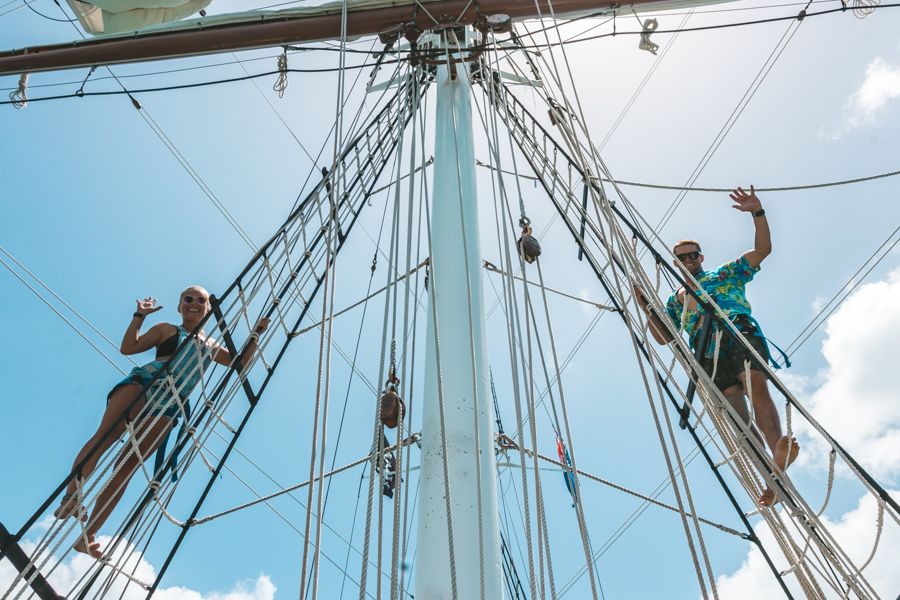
<point x="48" y="17"/>
<point x="806" y="16"/>
<point x="643" y="84"/>
<point x="152" y="73"/>
<point x="658" y="186"/>
<point x="275" y="110"/>
<point x="827" y="309"/>
<point x="57" y="312"/>
<point x="14" y="9"/>
<point x="732" y="119"/>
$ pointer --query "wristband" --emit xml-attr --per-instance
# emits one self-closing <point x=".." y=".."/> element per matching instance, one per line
<point x="759" y="213"/>
<point x="138" y="315"/>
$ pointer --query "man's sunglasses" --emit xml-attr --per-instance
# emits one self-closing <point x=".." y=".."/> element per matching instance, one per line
<point x="688" y="256"/>
<point x="191" y="299"/>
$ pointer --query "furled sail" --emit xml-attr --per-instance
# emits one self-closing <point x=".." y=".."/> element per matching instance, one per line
<point x="115" y="16"/>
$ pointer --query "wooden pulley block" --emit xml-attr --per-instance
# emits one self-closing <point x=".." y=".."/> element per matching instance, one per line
<point x="392" y="408"/>
<point x="528" y="246"/>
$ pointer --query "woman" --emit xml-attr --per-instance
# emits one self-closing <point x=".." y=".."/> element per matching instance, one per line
<point x="153" y="412"/>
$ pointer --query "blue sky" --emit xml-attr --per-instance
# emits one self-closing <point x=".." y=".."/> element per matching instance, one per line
<point x="97" y="207"/>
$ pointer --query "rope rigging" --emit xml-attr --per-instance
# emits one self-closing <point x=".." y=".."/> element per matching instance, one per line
<point x="248" y="290"/>
<point x="790" y="18"/>
<point x="540" y="170"/>
<point x="297" y="267"/>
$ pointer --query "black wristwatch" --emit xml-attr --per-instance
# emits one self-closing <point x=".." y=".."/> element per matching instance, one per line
<point x="138" y="315"/>
<point x="759" y="213"/>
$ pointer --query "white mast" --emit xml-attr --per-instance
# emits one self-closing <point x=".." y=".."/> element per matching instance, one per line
<point x="457" y="300"/>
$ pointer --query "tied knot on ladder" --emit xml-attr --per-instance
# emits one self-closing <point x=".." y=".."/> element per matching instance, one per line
<point x="19" y="97"/>
<point x="282" y="82"/>
<point x="649" y="26"/>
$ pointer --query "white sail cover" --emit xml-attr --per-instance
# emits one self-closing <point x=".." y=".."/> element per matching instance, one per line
<point x="115" y="16"/>
<point x="125" y="17"/>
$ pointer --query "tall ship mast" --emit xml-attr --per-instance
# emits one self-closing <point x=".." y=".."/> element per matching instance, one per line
<point x="447" y="81"/>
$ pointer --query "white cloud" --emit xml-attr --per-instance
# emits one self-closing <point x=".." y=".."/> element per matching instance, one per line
<point x="880" y="86"/>
<point x="856" y="399"/>
<point x="818" y="304"/>
<point x="854" y="531"/>
<point x="67" y="575"/>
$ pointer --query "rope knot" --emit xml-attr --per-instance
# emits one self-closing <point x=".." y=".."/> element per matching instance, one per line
<point x="282" y="82"/>
<point x="650" y="26"/>
<point x="19" y="97"/>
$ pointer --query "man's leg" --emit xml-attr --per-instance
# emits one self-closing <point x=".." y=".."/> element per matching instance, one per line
<point x="769" y="422"/>
<point x="735" y="396"/>
<point x="784" y="449"/>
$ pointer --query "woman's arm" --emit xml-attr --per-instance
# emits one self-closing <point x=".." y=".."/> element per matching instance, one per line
<point x="224" y="357"/>
<point x="132" y="341"/>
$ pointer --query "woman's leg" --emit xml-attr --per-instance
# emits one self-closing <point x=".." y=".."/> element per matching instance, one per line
<point x="118" y="404"/>
<point x="150" y="432"/>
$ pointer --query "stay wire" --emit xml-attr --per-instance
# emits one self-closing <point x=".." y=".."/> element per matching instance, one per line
<point x="815" y="323"/>
<point x="516" y="354"/>
<point x="732" y="119"/>
<point x="808" y="15"/>
<point x="48" y="17"/>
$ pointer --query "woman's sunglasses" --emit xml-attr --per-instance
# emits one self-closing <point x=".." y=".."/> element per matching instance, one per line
<point x="191" y="299"/>
<point x="688" y="256"/>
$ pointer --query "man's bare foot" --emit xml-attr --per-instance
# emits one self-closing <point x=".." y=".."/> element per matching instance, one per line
<point x="786" y="451"/>
<point x="92" y="548"/>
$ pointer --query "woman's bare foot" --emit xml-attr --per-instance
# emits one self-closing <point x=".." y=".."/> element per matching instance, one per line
<point x="92" y="548"/>
<point x="70" y="506"/>
<point x="767" y="498"/>
<point x="786" y="451"/>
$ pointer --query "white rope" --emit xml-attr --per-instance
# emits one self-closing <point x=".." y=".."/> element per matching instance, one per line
<point x="490" y="267"/>
<point x="287" y="490"/>
<point x="19" y="97"/>
<point x="163" y="389"/>
<point x="650" y="26"/>
<point x="151" y="480"/>
<point x="579" y="506"/>
<point x="864" y="8"/>
<point x="514" y="338"/>
<point x="544" y="560"/>
<point x="282" y="82"/>
<point x="511" y="322"/>
<point x="630" y="492"/>
<point x="810" y="584"/>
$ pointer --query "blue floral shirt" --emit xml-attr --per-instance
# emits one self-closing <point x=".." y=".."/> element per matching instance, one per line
<point x="726" y="285"/>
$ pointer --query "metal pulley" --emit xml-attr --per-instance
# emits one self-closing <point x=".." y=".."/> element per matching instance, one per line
<point x="392" y="407"/>
<point x="529" y="247"/>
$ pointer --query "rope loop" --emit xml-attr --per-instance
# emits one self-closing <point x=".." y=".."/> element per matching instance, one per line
<point x="282" y="82"/>
<point x="650" y="25"/>
<point x="19" y="97"/>
<point x="864" y="8"/>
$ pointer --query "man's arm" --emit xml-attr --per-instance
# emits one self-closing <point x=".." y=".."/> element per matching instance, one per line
<point x="657" y="328"/>
<point x="762" y="241"/>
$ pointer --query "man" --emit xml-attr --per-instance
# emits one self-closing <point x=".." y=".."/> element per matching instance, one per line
<point x="726" y="286"/>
